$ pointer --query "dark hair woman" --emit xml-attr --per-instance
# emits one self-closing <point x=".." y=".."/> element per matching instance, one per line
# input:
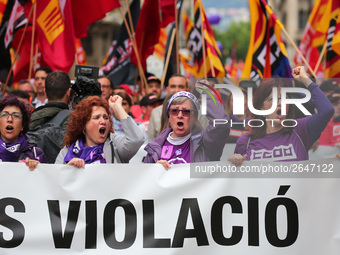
<point x="15" y="146"/>
<point x="280" y="139"/>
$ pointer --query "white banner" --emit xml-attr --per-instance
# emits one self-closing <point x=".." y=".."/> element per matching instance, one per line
<point x="143" y="209"/>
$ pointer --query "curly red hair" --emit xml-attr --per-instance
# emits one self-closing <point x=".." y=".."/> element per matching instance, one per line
<point x="81" y="115"/>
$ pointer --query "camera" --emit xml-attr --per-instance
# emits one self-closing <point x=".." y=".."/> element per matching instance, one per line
<point x="86" y="83"/>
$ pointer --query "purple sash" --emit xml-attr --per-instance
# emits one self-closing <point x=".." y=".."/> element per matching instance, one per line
<point x="89" y="154"/>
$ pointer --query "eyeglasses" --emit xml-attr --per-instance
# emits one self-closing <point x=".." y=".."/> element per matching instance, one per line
<point x="175" y="112"/>
<point x="14" y="115"/>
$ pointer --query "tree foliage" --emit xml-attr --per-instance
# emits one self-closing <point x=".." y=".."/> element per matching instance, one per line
<point x="236" y="32"/>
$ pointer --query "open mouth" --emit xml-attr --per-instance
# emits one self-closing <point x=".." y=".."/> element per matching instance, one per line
<point x="102" y="130"/>
<point x="180" y="124"/>
<point x="279" y="114"/>
<point x="9" y="128"/>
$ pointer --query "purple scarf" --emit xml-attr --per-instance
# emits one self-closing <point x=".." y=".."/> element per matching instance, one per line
<point x="10" y="152"/>
<point x="89" y="154"/>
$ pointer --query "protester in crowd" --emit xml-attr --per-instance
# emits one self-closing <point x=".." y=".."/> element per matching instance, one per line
<point x="240" y="122"/>
<point x="177" y="83"/>
<point x="49" y="121"/>
<point x="26" y="86"/>
<point x="15" y="145"/>
<point x="147" y="104"/>
<point x="106" y="86"/>
<point x="331" y="135"/>
<point x="184" y="141"/>
<point x="153" y="86"/>
<point x="90" y="139"/>
<point x="329" y="87"/>
<point x="126" y="104"/>
<point x="40" y="75"/>
<point x="57" y="87"/>
<point x="245" y="84"/>
<point x="21" y="95"/>
<point x="275" y="142"/>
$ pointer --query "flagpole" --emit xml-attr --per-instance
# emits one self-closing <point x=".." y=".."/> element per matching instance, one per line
<point x="17" y="52"/>
<point x="32" y="39"/>
<point x="301" y="55"/>
<point x="130" y="19"/>
<point x="177" y="39"/>
<point x="35" y="57"/>
<point x="168" y="57"/>
<point x="133" y="40"/>
<point x="321" y="56"/>
<point x="134" y="48"/>
<point x="203" y="44"/>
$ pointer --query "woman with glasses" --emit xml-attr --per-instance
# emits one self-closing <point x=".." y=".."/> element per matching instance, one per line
<point x="281" y="138"/>
<point x="184" y="141"/>
<point x="15" y="145"/>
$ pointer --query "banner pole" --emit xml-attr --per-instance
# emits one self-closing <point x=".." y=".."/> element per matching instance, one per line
<point x="134" y="48"/>
<point x="32" y="39"/>
<point x="177" y="39"/>
<point x="301" y="55"/>
<point x="321" y="56"/>
<point x="203" y="45"/>
<point x="168" y="57"/>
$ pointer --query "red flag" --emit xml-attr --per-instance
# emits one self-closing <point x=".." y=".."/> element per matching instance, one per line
<point x="314" y="34"/>
<point x="55" y="35"/>
<point x="147" y="31"/>
<point x="21" y="67"/>
<point x="3" y="4"/>
<point x="167" y="11"/>
<point x="85" y="12"/>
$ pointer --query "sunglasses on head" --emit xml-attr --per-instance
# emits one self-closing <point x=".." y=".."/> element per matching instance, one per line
<point x="175" y="112"/>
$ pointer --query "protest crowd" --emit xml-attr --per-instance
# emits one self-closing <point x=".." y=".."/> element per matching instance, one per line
<point x="112" y="114"/>
<point x="97" y="133"/>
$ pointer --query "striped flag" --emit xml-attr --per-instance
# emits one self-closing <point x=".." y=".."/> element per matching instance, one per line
<point x="267" y="55"/>
<point x="195" y="62"/>
<point x="159" y="49"/>
<point x="117" y="64"/>
<point x="336" y="37"/>
<point x="80" y="53"/>
<point x="16" y="21"/>
<point x="333" y="43"/>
